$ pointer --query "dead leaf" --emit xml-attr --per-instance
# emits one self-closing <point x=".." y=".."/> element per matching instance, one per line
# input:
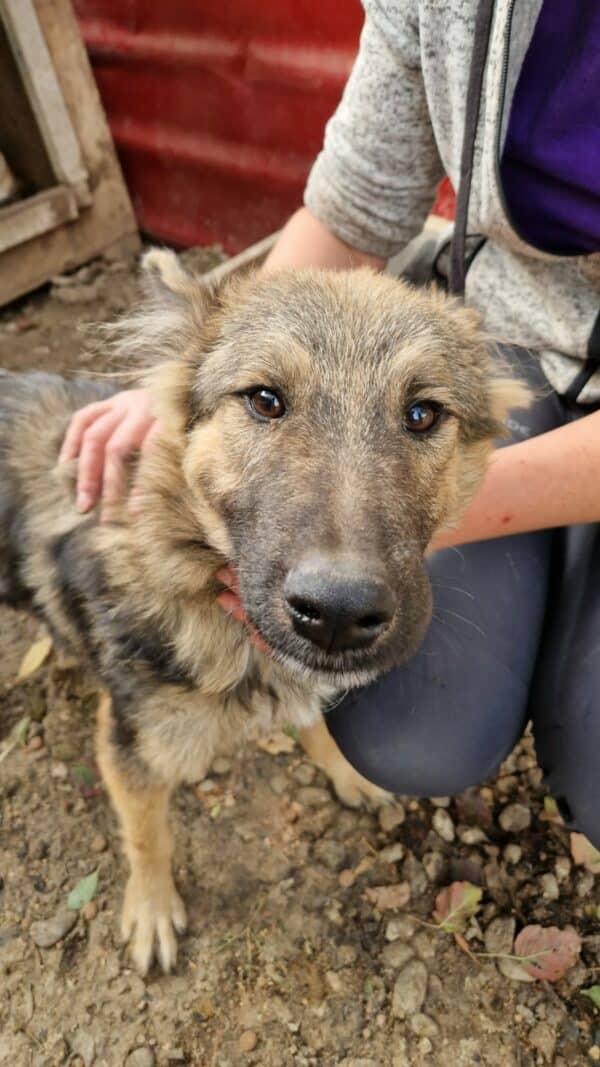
<point x="456" y="904"/>
<point x="385" y="897"/>
<point x="34" y="657"/>
<point x="277" y="743"/>
<point x="546" y="952"/>
<point x="464" y="947"/>
<point x="584" y="853"/>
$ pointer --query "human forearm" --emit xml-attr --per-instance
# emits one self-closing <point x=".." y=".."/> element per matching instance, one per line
<point x="306" y="242"/>
<point x="550" y="480"/>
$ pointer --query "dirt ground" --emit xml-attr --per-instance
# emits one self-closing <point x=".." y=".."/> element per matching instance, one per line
<point x="288" y="959"/>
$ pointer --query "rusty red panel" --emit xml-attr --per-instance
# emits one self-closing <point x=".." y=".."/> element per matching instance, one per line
<point x="217" y="109"/>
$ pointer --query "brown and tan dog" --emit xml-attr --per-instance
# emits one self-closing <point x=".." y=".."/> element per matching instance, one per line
<point x="319" y="428"/>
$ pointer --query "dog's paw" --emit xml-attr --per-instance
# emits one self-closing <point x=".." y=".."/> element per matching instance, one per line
<point x="354" y="790"/>
<point x="151" y="915"/>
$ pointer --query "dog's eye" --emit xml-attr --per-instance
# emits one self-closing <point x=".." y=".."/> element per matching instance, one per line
<point x="422" y="416"/>
<point x="266" y="403"/>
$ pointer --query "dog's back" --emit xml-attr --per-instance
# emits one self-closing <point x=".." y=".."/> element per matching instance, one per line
<point x="34" y="412"/>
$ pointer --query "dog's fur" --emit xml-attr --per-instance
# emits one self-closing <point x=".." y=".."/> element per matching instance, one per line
<point x="339" y="474"/>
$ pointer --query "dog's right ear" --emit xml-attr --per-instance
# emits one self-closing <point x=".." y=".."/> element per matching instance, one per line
<point x="167" y="334"/>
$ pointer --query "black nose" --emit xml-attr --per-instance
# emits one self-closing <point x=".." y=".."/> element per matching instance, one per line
<point x="337" y="606"/>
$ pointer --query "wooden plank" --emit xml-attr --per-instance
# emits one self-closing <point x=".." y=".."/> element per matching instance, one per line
<point x="39" y="78"/>
<point x="36" y="215"/>
<point x="250" y="257"/>
<point x="109" y="222"/>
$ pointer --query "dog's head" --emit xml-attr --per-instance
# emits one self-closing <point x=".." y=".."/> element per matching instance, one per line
<point x="329" y="424"/>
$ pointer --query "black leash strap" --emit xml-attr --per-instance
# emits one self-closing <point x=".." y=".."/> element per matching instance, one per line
<point x="591" y="365"/>
<point x="483" y="25"/>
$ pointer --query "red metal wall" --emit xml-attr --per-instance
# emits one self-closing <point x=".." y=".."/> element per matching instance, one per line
<point x="217" y="107"/>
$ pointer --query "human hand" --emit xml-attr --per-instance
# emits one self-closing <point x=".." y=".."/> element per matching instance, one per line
<point x="104" y="435"/>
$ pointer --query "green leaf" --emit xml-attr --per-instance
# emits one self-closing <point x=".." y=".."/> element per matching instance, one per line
<point x="83" y="892"/>
<point x="84" y="776"/>
<point x="455" y="905"/>
<point x="593" y="992"/>
<point x="20" y="730"/>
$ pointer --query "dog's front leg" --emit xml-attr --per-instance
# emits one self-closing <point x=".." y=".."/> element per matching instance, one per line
<point x="350" y="786"/>
<point x="152" y="908"/>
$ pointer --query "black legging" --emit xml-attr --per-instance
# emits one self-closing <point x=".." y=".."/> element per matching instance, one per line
<point x="515" y="634"/>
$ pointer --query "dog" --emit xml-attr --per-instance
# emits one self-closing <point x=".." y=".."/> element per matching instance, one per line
<point x="318" y="428"/>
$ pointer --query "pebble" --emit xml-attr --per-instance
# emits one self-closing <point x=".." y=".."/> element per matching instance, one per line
<point x="82" y="1044"/>
<point x="331" y="853"/>
<point x="89" y="910"/>
<point x="247" y="1041"/>
<point x="98" y="843"/>
<point x="409" y="990"/>
<point x="390" y="816"/>
<point x="402" y="927"/>
<point x="313" y="796"/>
<point x="543" y="1038"/>
<point x="392" y="853"/>
<point x="304" y="773"/>
<point x="512" y="853"/>
<point x="221" y="766"/>
<point x="141" y="1057"/>
<point x="585" y="885"/>
<point x="594" y="1053"/>
<point x="435" y="865"/>
<point x="397" y="954"/>
<point x="279" y="783"/>
<point x="443" y="825"/>
<point x="35" y="744"/>
<point x="562" y="868"/>
<point x="515" y="817"/>
<point x="59" y="770"/>
<point x="550" y="889"/>
<point x="472" y="835"/>
<point x="47" y="932"/>
<point x="440" y="802"/>
<point x="422" y="1026"/>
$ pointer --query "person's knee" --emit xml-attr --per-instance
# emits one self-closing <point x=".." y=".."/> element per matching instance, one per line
<point x="436" y="769"/>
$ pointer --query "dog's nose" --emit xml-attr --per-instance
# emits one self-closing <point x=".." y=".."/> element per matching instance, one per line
<point x="338" y="606"/>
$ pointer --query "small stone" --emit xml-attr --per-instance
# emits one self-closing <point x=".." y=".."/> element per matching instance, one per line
<point x="422" y="1026"/>
<point x="83" y="1045"/>
<point x="35" y="744"/>
<point x="59" y="770"/>
<point x="550" y="889"/>
<point x="507" y="784"/>
<point x="443" y="825"/>
<point x="313" y="796"/>
<point x="409" y="989"/>
<point x="512" y="853"/>
<point x="434" y="864"/>
<point x="562" y="868"/>
<point x="98" y="843"/>
<point x="247" y="1041"/>
<point x="207" y="785"/>
<point x="514" y="818"/>
<point x="221" y="766"/>
<point x="440" y="802"/>
<point x="594" y="1053"/>
<point x="585" y="885"/>
<point x="472" y="835"/>
<point x="279" y="782"/>
<point x="543" y="1038"/>
<point x="426" y="945"/>
<point x="331" y="853"/>
<point x="334" y="981"/>
<point x="390" y="816"/>
<point x="397" y="954"/>
<point x="89" y="910"/>
<point x="392" y="853"/>
<point x="304" y="773"/>
<point x="141" y="1057"/>
<point x="47" y="932"/>
<point x="401" y="928"/>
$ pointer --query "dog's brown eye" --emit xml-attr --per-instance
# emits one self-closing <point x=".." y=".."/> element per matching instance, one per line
<point x="266" y="403"/>
<point x="421" y="416"/>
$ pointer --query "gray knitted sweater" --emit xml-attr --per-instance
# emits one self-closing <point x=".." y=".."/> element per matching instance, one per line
<point x="399" y="128"/>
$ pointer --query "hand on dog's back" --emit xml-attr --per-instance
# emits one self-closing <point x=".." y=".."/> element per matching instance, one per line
<point x="103" y="437"/>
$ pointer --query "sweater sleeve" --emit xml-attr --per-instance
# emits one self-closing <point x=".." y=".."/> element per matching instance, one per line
<point x="374" y="181"/>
